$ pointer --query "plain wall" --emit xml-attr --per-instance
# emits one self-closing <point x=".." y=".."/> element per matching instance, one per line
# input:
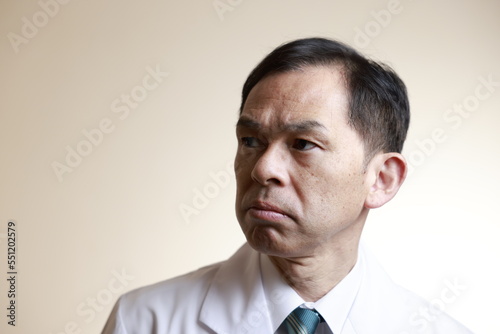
<point x="116" y="211"/>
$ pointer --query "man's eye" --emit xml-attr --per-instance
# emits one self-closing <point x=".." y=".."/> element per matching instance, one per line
<point x="303" y="145"/>
<point x="250" y="142"/>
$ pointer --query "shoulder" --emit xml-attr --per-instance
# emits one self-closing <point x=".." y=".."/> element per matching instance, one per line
<point x="417" y="315"/>
<point x="171" y="292"/>
<point x="395" y="309"/>
<point x="151" y="309"/>
<point x="172" y="305"/>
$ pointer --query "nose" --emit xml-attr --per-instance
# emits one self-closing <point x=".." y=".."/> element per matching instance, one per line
<point x="271" y="167"/>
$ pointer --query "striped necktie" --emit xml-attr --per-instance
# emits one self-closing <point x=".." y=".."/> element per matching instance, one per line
<point x="302" y="321"/>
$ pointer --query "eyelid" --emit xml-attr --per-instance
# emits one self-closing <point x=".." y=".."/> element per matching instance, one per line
<point x="255" y="141"/>
<point x="316" y="137"/>
<point x="307" y="142"/>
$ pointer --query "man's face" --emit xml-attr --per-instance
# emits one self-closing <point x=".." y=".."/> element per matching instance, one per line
<point x="301" y="181"/>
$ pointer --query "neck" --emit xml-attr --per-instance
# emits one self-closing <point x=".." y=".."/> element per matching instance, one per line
<point x="314" y="275"/>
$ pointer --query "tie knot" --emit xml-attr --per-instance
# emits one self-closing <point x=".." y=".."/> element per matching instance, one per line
<point x="302" y="321"/>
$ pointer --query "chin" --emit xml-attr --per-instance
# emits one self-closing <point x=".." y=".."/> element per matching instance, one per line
<point x="268" y="241"/>
<point x="263" y="239"/>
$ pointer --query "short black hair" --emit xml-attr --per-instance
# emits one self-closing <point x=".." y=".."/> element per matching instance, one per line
<point x="379" y="109"/>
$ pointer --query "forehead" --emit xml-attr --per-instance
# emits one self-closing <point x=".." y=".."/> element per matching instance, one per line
<point x="313" y="93"/>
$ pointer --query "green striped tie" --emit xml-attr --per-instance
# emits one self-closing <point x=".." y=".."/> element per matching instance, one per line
<point x="302" y="321"/>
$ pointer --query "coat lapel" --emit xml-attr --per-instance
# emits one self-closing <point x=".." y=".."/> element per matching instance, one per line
<point x="235" y="301"/>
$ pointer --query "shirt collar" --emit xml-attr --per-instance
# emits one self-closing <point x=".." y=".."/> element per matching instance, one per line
<point x="334" y="307"/>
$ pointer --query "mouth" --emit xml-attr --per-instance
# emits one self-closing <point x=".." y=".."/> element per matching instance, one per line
<point x="268" y="212"/>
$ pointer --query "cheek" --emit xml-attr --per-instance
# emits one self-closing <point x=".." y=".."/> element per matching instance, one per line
<point x="240" y="165"/>
<point x="352" y="194"/>
<point x="242" y="171"/>
<point x="316" y="189"/>
<point x="243" y="160"/>
<point x="327" y="190"/>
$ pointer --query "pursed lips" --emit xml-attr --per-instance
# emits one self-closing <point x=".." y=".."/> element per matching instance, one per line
<point x="266" y="211"/>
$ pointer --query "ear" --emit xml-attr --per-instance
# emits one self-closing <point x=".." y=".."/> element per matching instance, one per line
<point x="388" y="172"/>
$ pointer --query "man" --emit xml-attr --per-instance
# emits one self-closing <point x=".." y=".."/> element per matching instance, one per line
<point x="320" y="133"/>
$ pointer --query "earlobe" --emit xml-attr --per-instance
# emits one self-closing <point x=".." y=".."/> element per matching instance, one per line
<point x="389" y="170"/>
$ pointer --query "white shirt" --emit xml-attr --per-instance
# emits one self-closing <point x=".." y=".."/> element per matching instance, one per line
<point x="334" y="306"/>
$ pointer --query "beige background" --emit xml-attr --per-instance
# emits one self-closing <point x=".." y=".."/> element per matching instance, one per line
<point x="118" y="211"/>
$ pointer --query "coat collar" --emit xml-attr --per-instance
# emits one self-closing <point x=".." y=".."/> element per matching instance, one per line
<point x="235" y="302"/>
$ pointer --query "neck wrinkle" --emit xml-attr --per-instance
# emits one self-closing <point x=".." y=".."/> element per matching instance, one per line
<point x="314" y="277"/>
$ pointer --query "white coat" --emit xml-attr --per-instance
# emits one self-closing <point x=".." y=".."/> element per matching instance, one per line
<point x="228" y="298"/>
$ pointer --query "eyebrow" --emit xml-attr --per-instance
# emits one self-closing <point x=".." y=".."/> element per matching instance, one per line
<point x="301" y="126"/>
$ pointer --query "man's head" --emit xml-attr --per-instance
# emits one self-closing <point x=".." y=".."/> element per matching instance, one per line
<point x="304" y="182"/>
<point x="378" y="103"/>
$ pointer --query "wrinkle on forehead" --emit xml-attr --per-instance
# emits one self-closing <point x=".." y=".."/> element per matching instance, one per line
<point x="284" y="97"/>
<point x="281" y="89"/>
